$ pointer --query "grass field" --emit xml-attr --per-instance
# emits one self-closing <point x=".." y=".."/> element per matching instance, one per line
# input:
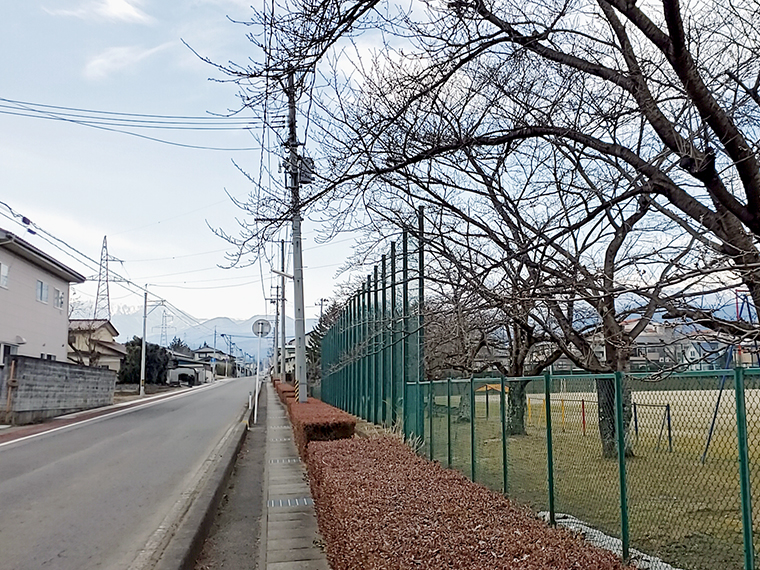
<point x="680" y="509"/>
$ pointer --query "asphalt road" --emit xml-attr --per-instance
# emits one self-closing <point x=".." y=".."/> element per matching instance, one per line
<point x="93" y="495"/>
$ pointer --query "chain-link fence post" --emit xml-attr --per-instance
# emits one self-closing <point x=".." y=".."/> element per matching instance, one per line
<point x="549" y="449"/>
<point x="472" y="430"/>
<point x="384" y="338"/>
<point x="620" y="433"/>
<point x="395" y="345"/>
<point x="448" y="422"/>
<point x="421" y="332"/>
<point x="405" y="332"/>
<point x="503" y="413"/>
<point x="741" y="432"/>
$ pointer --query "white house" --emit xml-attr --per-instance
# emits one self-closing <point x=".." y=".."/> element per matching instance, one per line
<point x="34" y="301"/>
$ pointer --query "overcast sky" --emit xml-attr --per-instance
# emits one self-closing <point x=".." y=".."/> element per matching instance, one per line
<point x="154" y="201"/>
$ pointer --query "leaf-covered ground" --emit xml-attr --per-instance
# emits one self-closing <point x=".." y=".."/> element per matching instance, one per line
<point x="380" y="506"/>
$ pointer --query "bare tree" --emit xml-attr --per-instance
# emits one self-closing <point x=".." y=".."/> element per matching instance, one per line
<point x="609" y="149"/>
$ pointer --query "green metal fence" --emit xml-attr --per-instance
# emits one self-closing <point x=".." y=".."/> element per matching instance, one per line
<point x="679" y="487"/>
<point x="676" y="481"/>
<point x="372" y="361"/>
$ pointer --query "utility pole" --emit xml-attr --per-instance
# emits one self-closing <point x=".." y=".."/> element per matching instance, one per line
<point x="213" y="358"/>
<point x="282" y="315"/>
<point x="294" y="164"/>
<point x="322" y="306"/>
<point x="276" y="358"/>
<point x="142" y="353"/>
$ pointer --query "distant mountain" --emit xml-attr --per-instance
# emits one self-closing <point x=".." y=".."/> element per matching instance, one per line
<point x="128" y="321"/>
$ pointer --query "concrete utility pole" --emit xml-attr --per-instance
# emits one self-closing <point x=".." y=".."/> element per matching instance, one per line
<point x="142" y="353"/>
<point x="275" y="356"/>
<point x="322" y="306"/>
<point x="282" y="314"/>
<point x="294" y="164"/>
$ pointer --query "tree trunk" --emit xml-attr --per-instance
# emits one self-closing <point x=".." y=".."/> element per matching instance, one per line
<point x="605" y="392"/>
<point x="464" y="413"/>
<point x="516" y="406"/>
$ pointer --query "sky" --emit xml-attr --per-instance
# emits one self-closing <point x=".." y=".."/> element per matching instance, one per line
<point x="155" y="202"/>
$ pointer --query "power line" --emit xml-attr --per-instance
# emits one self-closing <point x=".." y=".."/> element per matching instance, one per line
<point x="134" y="118"/>
<point x="118" y="125"/>
<point x="91" y="263"/>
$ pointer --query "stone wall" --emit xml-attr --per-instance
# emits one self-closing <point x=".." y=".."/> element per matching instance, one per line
<point x="41" y="389"/>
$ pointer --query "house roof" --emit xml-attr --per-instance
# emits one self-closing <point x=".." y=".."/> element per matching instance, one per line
<point x="92" y="325"/>
<point x="37" y="257"/>
<point x="116" y="347"/>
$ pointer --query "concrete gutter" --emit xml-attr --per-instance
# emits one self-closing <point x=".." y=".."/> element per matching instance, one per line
<point x="186" y="544"/>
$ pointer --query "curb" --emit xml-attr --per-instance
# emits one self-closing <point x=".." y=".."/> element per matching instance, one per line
<point x="187" y="542"/>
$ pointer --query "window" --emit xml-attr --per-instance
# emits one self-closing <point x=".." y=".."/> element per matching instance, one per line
<point x="42" y="292"/>
<point x="3" y="276"/>
<point x="60" y="299"/>
<point x="5" y="351"/>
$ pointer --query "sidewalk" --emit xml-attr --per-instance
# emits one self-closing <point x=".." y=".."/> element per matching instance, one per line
<point x="266" y="520"/>
<point x="289" y="530"/>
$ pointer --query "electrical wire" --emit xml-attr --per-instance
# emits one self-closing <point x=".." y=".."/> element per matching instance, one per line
<point x="135" y="119"/>
<point x="96" y="123"/>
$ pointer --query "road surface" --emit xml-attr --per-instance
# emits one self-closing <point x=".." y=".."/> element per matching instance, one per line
<point x="94" y="495"/>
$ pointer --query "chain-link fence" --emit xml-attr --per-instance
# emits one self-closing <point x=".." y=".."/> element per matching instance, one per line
<point x="666" y="465"/>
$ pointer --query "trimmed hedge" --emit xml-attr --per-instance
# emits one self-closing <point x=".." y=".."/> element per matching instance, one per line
<point x="286" y="392"/>
<point x="381" y="507"/>
<point x="314" y="420"/>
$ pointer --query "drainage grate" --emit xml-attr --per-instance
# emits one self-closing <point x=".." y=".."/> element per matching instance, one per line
<point x="286" y="460"/>
<point x="298" y="502"/>
<point x="279" y="439"/>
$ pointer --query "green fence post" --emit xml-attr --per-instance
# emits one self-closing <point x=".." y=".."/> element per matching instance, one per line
<point x="405" y="331"/>
<point x="741" y="432"/>
<point x="549" y="450"/>
<point x="367" y="353"/>
<point x="503" y="412"/>
<point x="620" y="433"/>
<point x="430" y="415"/>
<point x="376" y="377"/>
<point x="421" y="327"/>
<point x="357" y="355"/>
<point x="395" y="392"/>
<point x="448" y="422"/>
<point x="384" y="392"/>
<point x="472" y="429"/>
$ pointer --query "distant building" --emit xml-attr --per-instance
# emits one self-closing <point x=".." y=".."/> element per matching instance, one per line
<point x="34" y="301"/>
<point x="214" y="356"/>
<point x="91" y="343"/>
<point x="188" y="369"/>
<point x="662" y="346"/>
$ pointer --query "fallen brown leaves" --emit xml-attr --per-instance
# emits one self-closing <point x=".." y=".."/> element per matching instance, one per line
<point x="382" y="507"/>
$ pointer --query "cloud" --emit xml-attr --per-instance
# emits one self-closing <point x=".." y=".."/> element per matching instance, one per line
<point x="115" y="10"/>
<point x="118" y="58"/>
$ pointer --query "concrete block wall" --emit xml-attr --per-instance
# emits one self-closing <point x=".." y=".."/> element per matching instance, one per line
<point x="43" y="389"/>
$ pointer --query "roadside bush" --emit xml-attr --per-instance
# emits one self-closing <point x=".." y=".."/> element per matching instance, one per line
<point x="314" y="420"/>
<point x="381" y="507"/>
<point x="286" y="392"/>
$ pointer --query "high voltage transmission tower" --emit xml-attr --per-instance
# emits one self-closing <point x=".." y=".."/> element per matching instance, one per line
<point x="102" y="300"/>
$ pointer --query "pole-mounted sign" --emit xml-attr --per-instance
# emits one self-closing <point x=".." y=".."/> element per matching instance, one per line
<point x="261" y="327"/>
